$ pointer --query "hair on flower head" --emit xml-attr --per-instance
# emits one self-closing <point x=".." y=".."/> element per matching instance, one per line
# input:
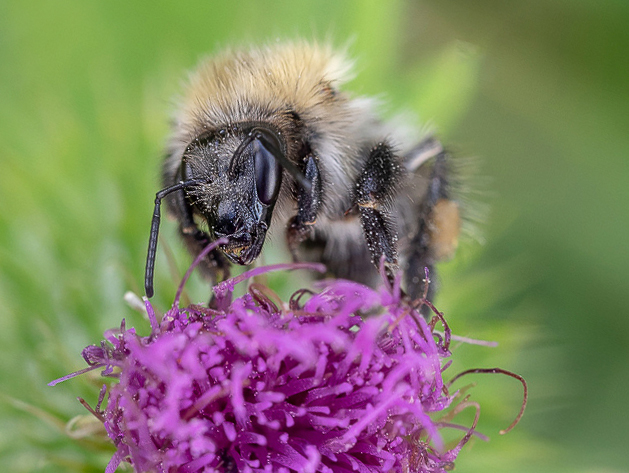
<point x="260" y="385"/>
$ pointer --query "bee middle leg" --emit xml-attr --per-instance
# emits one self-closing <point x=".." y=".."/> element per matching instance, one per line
<point x="374" y="194"/>
<point x="438" y="222"/>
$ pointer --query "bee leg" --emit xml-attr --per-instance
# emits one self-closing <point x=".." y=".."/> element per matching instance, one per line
<point x="437" y="232"/>
<point x="214" y="266"/>
<point x="300" y="227"/>
<point x="374" y="192"/>
<point x="340" y="245"/>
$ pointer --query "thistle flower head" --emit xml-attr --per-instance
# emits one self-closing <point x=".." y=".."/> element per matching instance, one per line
<point x="312" y="385"/>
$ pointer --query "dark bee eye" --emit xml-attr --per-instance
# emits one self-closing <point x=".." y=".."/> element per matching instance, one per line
<point x="268" y="171"/>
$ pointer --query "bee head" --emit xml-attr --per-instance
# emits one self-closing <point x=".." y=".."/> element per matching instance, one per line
<point x="241" y="174"/>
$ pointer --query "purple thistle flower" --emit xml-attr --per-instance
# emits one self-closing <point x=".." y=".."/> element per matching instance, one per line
<point x="311" y="388"/>
<point x="260" y="386"/>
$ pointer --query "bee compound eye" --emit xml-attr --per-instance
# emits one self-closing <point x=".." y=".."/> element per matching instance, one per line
<point x="268" y="171"/>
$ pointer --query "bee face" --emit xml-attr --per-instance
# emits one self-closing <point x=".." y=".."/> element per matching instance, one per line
<point x="240" y="177"/>
<point x="268" y="131"/>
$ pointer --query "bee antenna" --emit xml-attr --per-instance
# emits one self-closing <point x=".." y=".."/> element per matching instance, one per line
<point x="236" y="157"/>
<point x="260" y="134"/>
<point x="152" y="251"/>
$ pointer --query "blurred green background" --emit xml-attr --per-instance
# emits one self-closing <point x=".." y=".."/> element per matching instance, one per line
<point x="538" y="91"/>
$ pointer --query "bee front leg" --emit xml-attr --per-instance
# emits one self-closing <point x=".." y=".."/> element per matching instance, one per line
<point x="374" y="194"/>
<point x="300" y="227"/>
<point x="214" y="266"/>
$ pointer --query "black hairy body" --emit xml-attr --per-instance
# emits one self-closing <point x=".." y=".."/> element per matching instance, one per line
<point x="264" y="140"/>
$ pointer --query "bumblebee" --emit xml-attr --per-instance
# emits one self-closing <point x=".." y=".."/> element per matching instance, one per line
<point x="265" y="141"/>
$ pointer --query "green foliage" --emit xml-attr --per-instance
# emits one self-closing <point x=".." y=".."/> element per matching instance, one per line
<point x="537" y="90"/>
